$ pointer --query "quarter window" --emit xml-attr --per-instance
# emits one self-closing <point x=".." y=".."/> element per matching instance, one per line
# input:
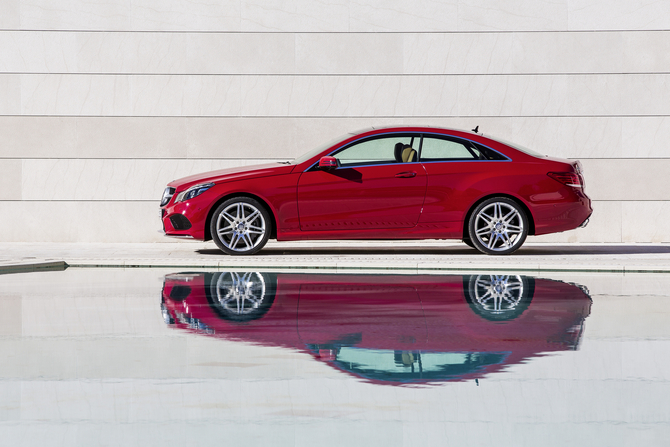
<point x="436" y="149"/>
<point x="445" y="149"/>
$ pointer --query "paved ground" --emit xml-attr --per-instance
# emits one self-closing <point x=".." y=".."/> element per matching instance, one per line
<point x="406" y="256"/>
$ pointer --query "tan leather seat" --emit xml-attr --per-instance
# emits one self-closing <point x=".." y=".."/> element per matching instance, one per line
<point x="408" y="155"/>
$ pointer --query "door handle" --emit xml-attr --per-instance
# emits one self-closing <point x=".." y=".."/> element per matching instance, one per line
<point x="408" y="174"/>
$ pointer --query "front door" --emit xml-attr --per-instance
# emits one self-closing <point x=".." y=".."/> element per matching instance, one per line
<point x="374" y="188"/>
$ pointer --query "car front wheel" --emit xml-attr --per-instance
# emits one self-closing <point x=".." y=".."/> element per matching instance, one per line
<point x="240" y="226"/>
<point x="498" y="226"/>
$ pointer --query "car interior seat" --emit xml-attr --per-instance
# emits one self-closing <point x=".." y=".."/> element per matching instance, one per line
<point x="397" y="152"/>
<point x="404" y="153"/>
<point x="408" y="155"/>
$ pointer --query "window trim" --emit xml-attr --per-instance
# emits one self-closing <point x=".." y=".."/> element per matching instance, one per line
<point x="420" y="135"/>
<point x="460" y="141"/>
<point x="332" y="153"/>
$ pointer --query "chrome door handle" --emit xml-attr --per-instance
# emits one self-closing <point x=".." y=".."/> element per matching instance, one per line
<point x="406" y="174"/>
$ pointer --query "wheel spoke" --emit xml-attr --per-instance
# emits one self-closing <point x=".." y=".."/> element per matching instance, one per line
<point x="250" y="218"/>
<point x="506" y="240"/>
<point x="247" y="241"/>
<point x="486" y="218"/>
<point x="483" y="231"/>
<point x="230" y="218"/>
<point x="235" y="237"/>
<point x="509" y="216"/>
<point x="492" y="240"/>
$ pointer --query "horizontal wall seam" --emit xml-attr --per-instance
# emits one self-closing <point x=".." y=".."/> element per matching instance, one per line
<point x="339" y="75"/>
<point x="338" y="116"/>
<point x="283" y="117"/>
<point x="131" y="31"/>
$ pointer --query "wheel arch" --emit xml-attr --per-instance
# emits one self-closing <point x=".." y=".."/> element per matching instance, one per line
<point x="215" y="205"/>
<point x="529" y="215"/>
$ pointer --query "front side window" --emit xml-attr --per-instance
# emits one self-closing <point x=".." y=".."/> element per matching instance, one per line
<point x="383" y="150"/>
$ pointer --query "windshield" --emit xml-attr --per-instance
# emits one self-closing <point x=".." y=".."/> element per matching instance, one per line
<point x="321" y="148"/>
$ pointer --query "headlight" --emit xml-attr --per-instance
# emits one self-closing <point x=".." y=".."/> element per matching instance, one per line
<point x="193" y="191"/>
<point x="167" y="195"/>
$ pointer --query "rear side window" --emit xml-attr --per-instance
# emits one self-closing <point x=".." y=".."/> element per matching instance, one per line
<point x="443" y="149"/>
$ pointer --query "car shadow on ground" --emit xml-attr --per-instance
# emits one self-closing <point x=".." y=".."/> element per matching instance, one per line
<point x="545" y="250"/>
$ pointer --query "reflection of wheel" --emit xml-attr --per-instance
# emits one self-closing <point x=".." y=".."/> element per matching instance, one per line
<point x="240" y="226"/>
<point x="498" y="226"/>
<point x="241" y="296"/>
<point x="499" y="297"/>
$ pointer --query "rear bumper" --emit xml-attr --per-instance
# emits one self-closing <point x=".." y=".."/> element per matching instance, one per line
<point x="562" y="216"/>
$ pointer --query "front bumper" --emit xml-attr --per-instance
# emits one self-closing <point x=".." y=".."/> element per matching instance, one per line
<point x="185" y="219"/>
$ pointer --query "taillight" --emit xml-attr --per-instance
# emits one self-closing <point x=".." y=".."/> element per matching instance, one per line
<point x="567" y="178"/>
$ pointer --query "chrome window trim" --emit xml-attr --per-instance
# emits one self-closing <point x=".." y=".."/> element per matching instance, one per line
<point x="464" y="139"/>
<point x="459" y="160"/>
<point x="351" y="143"/>
<point x="416" y="134"/>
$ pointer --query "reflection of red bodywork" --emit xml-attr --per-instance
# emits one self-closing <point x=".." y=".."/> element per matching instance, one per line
<point x="388" y="328"/>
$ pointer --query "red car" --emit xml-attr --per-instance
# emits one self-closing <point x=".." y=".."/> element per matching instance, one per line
<point x="386" y="329"/>
<point x="391" y="183"/>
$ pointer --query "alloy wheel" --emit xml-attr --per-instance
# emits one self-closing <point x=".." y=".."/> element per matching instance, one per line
<point x="498" y="227"/>
<point x="241" y="226"/>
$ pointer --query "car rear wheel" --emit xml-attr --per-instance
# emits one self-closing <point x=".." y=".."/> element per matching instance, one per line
<point x="240" y="226"/>
<point x="499" y="297"/>
<point x="498" y="226"/>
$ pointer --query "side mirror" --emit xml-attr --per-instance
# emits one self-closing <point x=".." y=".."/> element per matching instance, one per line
<point x="328" y="163"/>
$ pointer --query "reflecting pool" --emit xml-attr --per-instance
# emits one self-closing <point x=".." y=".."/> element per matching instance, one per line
<point x="393" y="329"/>
<point x="154" y="356"/>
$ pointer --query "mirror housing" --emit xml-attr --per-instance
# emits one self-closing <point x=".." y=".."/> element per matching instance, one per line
<point x="328" y="163"/>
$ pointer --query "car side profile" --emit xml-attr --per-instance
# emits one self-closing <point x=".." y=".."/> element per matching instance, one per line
<point x="386" y="183"/>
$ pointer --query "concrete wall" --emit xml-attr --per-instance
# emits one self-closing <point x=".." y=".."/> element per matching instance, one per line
<point x="102" y="103"/>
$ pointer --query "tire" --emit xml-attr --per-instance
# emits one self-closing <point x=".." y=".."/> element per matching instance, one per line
<point x="498" y="226"/>
<point x="240" y="226"/>
<point x="498" y="297"/>
<point x="241" y="296"/>
<point x="468" y="242"/>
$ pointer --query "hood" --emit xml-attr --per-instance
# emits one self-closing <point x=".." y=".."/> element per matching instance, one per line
<point x="226" y="175"/>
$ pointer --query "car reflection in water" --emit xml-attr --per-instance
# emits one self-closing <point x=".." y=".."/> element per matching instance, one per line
<point x="386" y="329"/>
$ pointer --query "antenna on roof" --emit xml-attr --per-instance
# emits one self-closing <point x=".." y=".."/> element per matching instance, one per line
<point x="476" y="129"/>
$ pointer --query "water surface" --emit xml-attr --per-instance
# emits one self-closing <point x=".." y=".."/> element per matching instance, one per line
<point x="148" y="356"/>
